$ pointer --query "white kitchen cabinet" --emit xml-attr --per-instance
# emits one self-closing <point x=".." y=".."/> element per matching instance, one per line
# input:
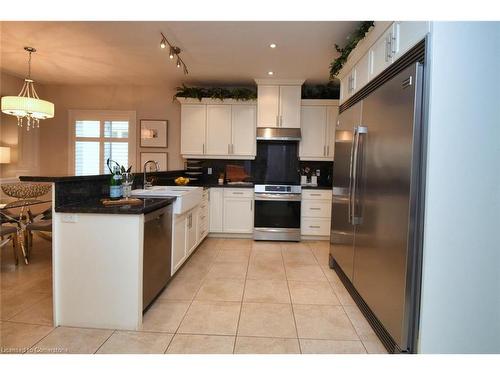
<point x="243" y="129"/>
<point x="316" y="212"/>
<point x="278" y="103"/>
<point x="318" y="122"/>
<point x="193" y="126"/>
<point x="408" y="33"/>
<point x="362" y="72"/>
<point x="312" y="145"/>
<point x="289" y="113"/>
<point x="238" y="215"/>
<point x="179" y="254"/>
<point x="332" y="113"/>
<point x="268" y="98"/>
<point x="191" y="223"/>
<point x="381" y="53"/>
<point x="203" y="217"/>
<point x="216" y="204"/>
<point x="218" y="138"/>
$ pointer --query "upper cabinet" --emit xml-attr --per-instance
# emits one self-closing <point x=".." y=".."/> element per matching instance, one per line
<point x="318" y="121"/>
<point x="278" y="103"/>
<point x="218" y="129"/>
<point x="386" y="43"/>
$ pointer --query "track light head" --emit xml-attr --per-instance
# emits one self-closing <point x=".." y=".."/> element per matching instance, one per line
<point x="163" y="44"/>
<point x="171" y="55"/>
<point x="178" y="63"/>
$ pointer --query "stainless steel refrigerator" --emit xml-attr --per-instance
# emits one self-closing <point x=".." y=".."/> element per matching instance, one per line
<point x="376" y="205"/>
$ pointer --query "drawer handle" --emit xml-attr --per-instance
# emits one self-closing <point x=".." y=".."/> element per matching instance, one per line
<point x="315" y="208"/>
<point x="314" y="226"/>
<point x="237" y="192"/>
<point x="315" y="195"/>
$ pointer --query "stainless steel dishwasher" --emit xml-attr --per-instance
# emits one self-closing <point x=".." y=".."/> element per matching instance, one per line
<point x="157" y="253"/>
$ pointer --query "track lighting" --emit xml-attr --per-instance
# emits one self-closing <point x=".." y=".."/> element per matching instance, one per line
<point x="174" y="51"/>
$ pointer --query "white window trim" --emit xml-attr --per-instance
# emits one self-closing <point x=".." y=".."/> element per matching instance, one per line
<point x="103" y="115"/>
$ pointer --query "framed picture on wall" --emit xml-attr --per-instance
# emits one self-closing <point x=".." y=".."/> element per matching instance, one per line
<point x="160" y="157"/>
<point x="154" y="133"/>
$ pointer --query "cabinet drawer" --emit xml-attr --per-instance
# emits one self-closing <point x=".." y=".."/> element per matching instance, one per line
<point x="324" y="195"/>
<point x="315" y="227"/>
<point x="238" y="193"/>
<point x="316" y="209"/>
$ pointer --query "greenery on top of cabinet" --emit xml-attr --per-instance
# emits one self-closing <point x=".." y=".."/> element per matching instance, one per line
<point x="328" y="91"/>
<point x="353" y="40"/>
<point x="221" y="93"/>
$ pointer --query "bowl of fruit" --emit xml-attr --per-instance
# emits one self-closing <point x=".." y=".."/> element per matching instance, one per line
<point x="181" y="181"/>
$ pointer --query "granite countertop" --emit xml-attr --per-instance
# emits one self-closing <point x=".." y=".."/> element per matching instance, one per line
<point x="94" y="206"/>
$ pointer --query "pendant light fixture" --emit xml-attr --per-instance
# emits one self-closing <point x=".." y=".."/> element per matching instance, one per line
<point x="27" y="106"/>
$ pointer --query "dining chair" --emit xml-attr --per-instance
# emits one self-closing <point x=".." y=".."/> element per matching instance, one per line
<point x="41" y="225"/>
<point x="8" y="233"/>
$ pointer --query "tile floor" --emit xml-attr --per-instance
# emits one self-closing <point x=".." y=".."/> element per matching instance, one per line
<point x="232" y="296"/>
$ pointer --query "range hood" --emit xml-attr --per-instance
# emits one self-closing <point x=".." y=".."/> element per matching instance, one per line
<point x="278" y="134"/>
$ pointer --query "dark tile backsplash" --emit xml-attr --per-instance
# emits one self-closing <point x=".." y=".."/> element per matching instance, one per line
<point x="219" y="166"/>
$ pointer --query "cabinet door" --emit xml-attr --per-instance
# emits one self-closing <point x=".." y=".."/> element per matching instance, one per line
<point x="332" y="113"/>
<point x="345" y="85"/>
<point x="313" y="129"/>
<point x="178" y="242"/>
<point x="408" y="33"/>
<point x="216" y="209"/>
<point x="218" y="129"/>
<point x="193" y="124"/>
<point x="381" y="53"/>
<point x="191" y="229"/>
<point x="243" y="130"/>
<point x="267" y="106"/>
<point x="362" y="72"/>
<point x="238" y="215"/>
<point x="290" y="106"/>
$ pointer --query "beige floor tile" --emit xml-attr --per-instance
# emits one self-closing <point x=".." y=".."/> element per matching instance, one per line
<point x="129" y="342"/>
<point x="271" y="291"/>
<point x="323" y="322"/>
<point x="373" y="345"/>
<point x="265" y="345"/>
<point x="235" y="244"/>
<point x="361" y="325"/>
<point x="209" y="244"/>
<point x="203" y="257"/>
<point x="331" y="347"/>
<point x="181" y="288"/>
<point x="331" y="275"/>
<point x="264" y="256"/>
<point x="164" y="316"/>
<point x="230" y="290"/>
<point x="233" y="255"/>
<point x="39" y="313"/>
<point x="201" y="344"/>
<point x="304" y="272"/>
<point x="297" y="246"/>
<point x="343" y="295"/>
<point x="298" y="256"/>
<point x="15" y="301"/>
<point x="320" y="245"/>
<point x="228" y="270"/>
<point x="266" y="246"/>
<point x="68" y="340"/>
<point x="18" y="337"/>
<point x="264" y="270"/>
<point x="216" y="318"/>
<point x="321" y="255"/>
<point x="312" y="293"/>
<point x="194" y="270"/>
<point x="267" y="320"/>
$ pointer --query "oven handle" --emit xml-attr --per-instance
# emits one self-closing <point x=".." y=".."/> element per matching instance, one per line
<point x="278" y="197"/>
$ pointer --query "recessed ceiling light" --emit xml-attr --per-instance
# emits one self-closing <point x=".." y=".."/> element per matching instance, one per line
<point x="272" y="45"/>
<point x="270" y="73"/>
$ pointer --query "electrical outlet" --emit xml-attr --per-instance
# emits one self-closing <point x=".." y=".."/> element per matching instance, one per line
<point x="317" y="172"/>
<point x="209" y="170"/>
<point x="69" y="218"/>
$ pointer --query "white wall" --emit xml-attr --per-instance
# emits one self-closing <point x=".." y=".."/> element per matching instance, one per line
<point x="461" y="265"/>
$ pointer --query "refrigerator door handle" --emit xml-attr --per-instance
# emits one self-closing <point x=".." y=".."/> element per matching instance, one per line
<point x="356" y="216"/>
<point x="351" y="164"/>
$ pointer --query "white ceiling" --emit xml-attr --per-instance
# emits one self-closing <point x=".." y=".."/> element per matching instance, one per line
<point x="223" y="53"/>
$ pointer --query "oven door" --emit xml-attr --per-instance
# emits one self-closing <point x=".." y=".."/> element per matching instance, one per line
<point x="277" y="217"/>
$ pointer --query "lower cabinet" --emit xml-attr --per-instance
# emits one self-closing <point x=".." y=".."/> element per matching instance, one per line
<point x="316" y="212"/>
<point x="191" y="231"/>
<point x="203" y="214"/>
<point x="231" y="210"/>
<point x="179" y="254"/>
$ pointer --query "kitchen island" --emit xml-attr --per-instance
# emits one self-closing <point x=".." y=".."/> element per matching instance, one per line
<point x="106" y="259"/>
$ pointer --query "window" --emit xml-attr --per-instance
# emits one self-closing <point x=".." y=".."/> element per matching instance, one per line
<point x="99" y="135"/>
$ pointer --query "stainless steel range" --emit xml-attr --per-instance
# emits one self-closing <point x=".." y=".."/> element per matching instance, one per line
<point x="277" y="212"/>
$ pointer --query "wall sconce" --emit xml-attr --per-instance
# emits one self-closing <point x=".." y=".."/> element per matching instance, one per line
<point x="4" y="155"/>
